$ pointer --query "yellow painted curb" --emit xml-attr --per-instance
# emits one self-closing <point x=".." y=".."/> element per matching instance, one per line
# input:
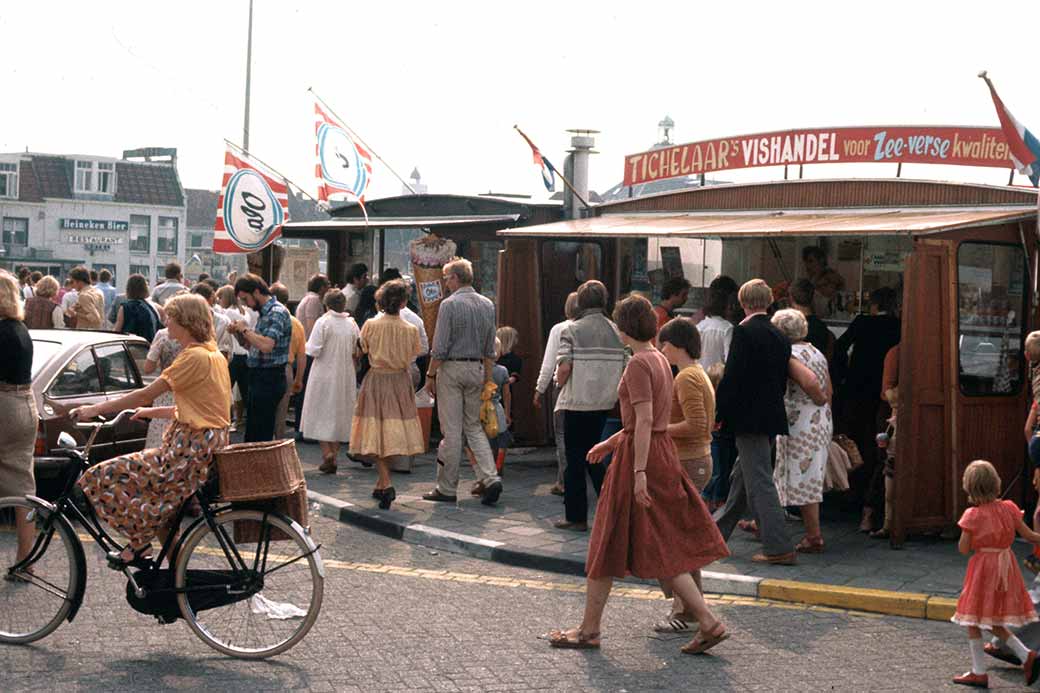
<point x="941" y="608"/>
<point x="911" y="604"/>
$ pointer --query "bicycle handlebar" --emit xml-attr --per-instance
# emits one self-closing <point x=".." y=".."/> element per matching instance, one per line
<point x="102" y="423"/>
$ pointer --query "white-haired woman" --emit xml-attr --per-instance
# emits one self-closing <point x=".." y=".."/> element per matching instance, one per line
<point x="801" y="456"/>
<point x="18" y="434"/>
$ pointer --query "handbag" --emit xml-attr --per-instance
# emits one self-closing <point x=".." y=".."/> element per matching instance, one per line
<point x="836" y="474"/>
<point x="488" y="416"/>
<point x="846" y="443"/>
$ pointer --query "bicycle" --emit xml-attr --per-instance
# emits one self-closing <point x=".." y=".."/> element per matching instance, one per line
<point x="235" y="593"/>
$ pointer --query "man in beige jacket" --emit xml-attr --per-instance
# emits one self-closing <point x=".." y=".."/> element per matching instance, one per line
<point x="88" y="311"/>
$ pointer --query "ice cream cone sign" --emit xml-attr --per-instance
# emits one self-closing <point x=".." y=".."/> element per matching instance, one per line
<point x="429" y="255"/>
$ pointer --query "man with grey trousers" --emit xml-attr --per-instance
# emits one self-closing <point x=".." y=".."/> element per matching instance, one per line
<point x="750" y="401"/>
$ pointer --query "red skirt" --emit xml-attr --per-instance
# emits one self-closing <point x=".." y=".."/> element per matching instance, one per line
<point x="675" y="535"/>
<point x="994" y="593"/>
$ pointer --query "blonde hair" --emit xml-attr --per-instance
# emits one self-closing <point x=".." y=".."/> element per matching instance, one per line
<point x="755" y="295"/>
<point x="509" y="337"/>
<point x="1032" y="345"/>
<point x="715" y="372"/>
<point x="461" y="268"/>
<point x="191" y="312"/>
<point x="791" y="323"/>
<point x="47" y="287"/>
<point x="10" y="292"/>
<point x="498" y="348"/>
<point x="981" y="482"/>
<point x="570" y="306"/>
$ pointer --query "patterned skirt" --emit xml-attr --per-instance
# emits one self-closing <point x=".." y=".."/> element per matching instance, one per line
<point x="140" y="493"/>
<point x="386" y="422"/>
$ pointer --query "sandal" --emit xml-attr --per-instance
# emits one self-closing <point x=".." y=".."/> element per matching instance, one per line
<point x="573" y="639"/>
<point x="705" y="640"/>
<point x="674" y="624"/>
<point x="477" y="490"/>
<point x="142" y="558"/>
<point x="880" y="534"/>
<point x="749" y="526"/>
<point x="1033" y="563"/>
<point x="328" y="466"/>
<point x="810" y="544"/>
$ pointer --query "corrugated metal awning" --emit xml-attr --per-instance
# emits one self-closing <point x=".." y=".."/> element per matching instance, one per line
<point x="350" y="223"/>
<point x="821" y="222"/>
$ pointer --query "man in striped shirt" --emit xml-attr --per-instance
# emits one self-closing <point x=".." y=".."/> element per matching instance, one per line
<point x="462" y="357"/>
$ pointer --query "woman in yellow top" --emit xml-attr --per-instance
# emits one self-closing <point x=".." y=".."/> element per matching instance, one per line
<point x="690" y="426"/>
<point x="386" y="422"/>
<point x="139" y="494"/>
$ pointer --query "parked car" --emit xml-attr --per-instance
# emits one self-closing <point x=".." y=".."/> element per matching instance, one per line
<point x="76" y="367"/>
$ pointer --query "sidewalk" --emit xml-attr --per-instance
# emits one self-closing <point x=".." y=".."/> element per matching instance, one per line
<point x="855" y="572"/>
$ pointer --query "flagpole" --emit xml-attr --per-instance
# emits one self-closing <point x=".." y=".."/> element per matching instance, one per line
<point x="362" y="141"/>
<point x="273" y="169"/>
<point x="249" y="68"/>
<point x="566" y="182"/>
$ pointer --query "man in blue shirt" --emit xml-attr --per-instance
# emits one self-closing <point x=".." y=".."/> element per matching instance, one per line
<point x="268" y="344"/>
<point x="104" y="285"/>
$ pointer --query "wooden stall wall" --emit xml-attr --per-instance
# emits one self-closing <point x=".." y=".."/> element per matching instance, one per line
<point x="520" y="305"/>
<point x="924" y="485"/>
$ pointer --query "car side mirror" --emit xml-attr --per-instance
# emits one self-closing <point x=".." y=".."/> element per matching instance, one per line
<point x="66" y="441"/>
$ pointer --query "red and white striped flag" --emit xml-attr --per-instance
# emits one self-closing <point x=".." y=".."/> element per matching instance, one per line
<point x="253" y="205"/>
<point x="343" y="166"/>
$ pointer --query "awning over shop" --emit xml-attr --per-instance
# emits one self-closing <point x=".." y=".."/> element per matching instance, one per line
<point x="354" y="223"/>
<point x="908" y="220"/>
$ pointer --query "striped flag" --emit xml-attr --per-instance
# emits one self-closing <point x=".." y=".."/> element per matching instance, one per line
<point x="1023" y="147"/>
<point x="343" y="167"/>
<point x="548" y="170"/>
<point x="253" y="205"/>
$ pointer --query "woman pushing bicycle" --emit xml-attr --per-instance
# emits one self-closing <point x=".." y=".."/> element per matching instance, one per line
<point x="139" y="494"/>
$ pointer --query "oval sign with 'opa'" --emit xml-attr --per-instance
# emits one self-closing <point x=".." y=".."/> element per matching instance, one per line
<point x="251" y="211"/>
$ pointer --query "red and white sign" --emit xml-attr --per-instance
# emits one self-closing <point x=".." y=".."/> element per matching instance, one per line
<point x="253" y="205"/>
<point x="920" y="144"/>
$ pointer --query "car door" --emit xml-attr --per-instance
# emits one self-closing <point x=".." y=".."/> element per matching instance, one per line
<point x="78" y="384"/>
<point x="119" y="377"/>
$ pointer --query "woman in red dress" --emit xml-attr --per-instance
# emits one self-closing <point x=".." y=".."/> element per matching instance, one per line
<point x="994" y="595"/>
<point x="651" y="521"/>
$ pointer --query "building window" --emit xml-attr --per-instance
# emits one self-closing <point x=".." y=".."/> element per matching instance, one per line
<point x="9" y="180"/>
<point x="143" y="270"/>
<point x="95" y="177"/>
<point x="140" y="234"/>
<point x="167" y="234"/>
<point x="196" y="240"/>
<point x="16" y="232"/>
<point x="991" y="281"/>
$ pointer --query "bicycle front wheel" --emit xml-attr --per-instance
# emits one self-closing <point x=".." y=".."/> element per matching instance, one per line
<point x="243" y="594"/>
<point x="37" y="597"/>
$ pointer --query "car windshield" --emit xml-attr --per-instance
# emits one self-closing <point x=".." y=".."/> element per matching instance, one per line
<point x="42" y="353"/>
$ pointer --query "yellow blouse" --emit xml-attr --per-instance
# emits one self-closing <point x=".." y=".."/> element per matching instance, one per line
<point x="201" y="387"/>
<point x="390" y="342"/>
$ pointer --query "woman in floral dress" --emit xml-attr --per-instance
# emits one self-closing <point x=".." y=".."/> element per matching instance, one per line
<point x="801" y="456"/>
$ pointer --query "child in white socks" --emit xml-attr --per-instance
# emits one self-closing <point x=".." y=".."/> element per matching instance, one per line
<point x="994" y="595"/>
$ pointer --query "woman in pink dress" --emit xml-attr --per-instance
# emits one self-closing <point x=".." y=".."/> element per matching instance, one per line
<point x="651" y="521"/>
<point x="994" y="595"/>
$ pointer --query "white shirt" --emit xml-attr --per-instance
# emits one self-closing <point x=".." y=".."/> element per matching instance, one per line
<point x="27" y="292"/>
<point x="249" y="318"/>
<point x="552" y="348"/>
<point x="69" y="299"/>
<point x="716" y="334"/>
<point x="353" y="296"/>
<point x="225" y="340"/>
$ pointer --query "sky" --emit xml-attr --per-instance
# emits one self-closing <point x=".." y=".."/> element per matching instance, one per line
<point x="439" y="86"/>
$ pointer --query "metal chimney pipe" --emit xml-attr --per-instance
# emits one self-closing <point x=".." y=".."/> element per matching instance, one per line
<point x="582" y="143"/>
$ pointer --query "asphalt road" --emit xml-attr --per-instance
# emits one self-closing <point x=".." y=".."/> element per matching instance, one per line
<point x="399" y="617"/>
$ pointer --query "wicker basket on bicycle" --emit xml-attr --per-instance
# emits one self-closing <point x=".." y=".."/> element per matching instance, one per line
<point x="265" y="475"/>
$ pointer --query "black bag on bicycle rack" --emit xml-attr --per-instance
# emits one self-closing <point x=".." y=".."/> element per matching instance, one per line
<point x="160" y="599"/>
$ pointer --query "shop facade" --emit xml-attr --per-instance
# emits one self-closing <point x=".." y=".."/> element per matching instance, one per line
<point x="961" y="257"/>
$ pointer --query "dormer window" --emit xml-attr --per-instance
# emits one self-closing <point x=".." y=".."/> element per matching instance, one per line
<point x="95" y="177"/>
<point x="9" y="181"/>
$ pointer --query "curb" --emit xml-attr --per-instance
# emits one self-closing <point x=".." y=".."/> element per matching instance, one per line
<point x="888" y="602"/>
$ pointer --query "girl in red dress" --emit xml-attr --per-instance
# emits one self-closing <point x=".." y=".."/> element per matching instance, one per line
<point x="994" y="595"/>
<point x="650" y="521"/>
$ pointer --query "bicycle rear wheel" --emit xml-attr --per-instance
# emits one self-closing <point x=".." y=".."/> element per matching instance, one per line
<point x="244" y="596"/>
<point x="35" y="600"/>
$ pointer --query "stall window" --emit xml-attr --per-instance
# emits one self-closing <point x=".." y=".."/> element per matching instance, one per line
<point x="565" y="266"/>
<point x="991" y="281"/>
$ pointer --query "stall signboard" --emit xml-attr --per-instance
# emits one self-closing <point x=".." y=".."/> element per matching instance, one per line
<point x="299" y="266"/>
<point x="916" y="144"/>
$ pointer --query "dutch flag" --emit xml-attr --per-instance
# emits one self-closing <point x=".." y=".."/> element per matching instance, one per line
<point x="548" y="170"/>
<point x="1022" y="145"/>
